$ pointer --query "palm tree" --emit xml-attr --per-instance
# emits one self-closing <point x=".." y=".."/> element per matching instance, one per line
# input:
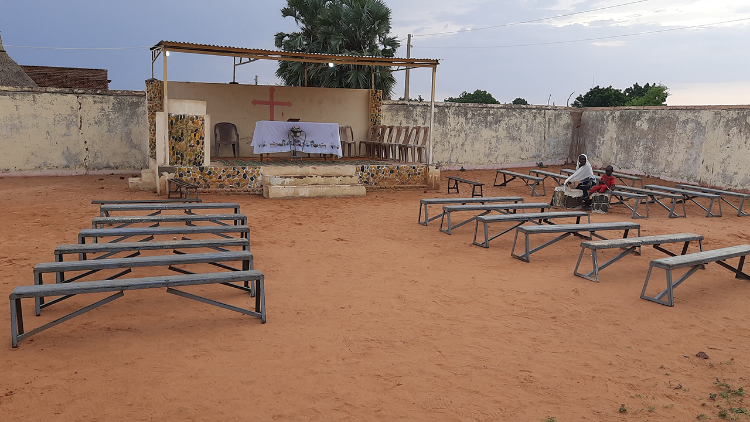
<point x="349" y="27"/>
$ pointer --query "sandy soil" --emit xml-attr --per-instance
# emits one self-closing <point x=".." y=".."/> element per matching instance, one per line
<point x="372" y="316"/>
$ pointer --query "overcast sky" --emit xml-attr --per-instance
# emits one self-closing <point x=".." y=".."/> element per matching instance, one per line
<point x="542" y="61"/>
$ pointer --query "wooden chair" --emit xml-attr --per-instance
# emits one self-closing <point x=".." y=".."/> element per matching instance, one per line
<point x="347" y="140"/>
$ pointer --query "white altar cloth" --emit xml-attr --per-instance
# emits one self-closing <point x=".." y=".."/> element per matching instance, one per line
<point x="318" y="138"/>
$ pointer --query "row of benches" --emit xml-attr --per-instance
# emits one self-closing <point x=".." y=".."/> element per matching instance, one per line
<point x="231" y="229"/>
<point x="507" y="208"/>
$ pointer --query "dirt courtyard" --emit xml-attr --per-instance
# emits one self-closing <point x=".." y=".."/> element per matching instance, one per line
<point x="372" y="316"/>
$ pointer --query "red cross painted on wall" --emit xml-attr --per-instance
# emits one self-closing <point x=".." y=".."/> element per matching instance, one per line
<point x="271" y="103"/>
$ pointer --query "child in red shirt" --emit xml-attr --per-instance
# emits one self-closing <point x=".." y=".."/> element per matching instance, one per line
<point x="606" y="183"/>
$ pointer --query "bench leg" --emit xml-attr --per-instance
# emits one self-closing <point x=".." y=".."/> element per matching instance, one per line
<point x="593" y="275"/>
<point x="16" y="321"/>
<point x="505" y="180"/>
<point x="737" y="271"/>
<point x="526" y="256"/>
<point x="202" y="299"/>
<point x="419" y="219"/>
<point x="454" y="187"/>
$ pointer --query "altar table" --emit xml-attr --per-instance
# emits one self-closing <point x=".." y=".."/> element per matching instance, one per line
<point x="319" y="138"/>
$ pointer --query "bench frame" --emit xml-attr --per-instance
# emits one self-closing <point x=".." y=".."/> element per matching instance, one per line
<point x="424" y="202"/>
<point x="592" y="233"/>
<point x="622" y="176"/>
<point x="593" y="275"/>
<point x="671" y="285"/>
<point x="656" y="198"/>
<point x="16" y="313"/>
<point x="181" y="188"/>
<point x="558" y="178"/>
<point x="501" y="208"/>
<point x="518" y="218"/>
<point x="527" y="178"/>
<point x="686" y="196"/>
<point x="722" y="194"/>
<point x="621" y="195"/>
<point x="473" y="184"/>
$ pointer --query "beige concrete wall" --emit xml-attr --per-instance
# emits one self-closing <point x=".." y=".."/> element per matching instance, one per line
<point x="59" y="131"/>
<point x="488" y="135"/>
<point x="233" y="103"/>
<point x="709" y="145"/>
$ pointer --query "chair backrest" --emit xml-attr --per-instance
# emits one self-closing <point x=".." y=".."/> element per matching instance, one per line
<point x="391" y="132"/>
<point x="425" y="135"/>
<point x="346" y="133"/>
<point x="382" y="131"/>
<point x="409" y="134"/>
<point x="397" y="138"/>
<point x="226" y="132"/>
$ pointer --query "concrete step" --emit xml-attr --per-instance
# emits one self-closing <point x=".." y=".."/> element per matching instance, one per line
<point x="299" y="180"/>
<point x="312" y="191"/>
<point x="344" y="170"/>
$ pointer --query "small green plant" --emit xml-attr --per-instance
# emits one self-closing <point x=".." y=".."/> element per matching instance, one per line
<point x="701" y="417"/>
<point x="623" y="409"/>
<point x="462" y="169"/>
<point x="550" y="419"/>
<point x="738" y="410"/>
<point x="723" y="413"/>
<point x="540" y="165"/>
<point x="712" y="396"/>
<point x="651" y="408"/>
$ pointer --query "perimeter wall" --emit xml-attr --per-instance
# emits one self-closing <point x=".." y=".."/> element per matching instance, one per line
<point x="72" y="131"/>
<point x="700" y="144"/>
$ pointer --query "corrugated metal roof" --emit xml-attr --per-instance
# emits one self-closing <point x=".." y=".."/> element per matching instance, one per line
<point x="290" y="56"/>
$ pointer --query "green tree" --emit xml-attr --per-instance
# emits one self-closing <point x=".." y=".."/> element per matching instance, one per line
<point x="656" y="95"/>
<point x="348" y="27"/>
<point x="520" y="101"/>
<point x="478" y="96"/>
<point x="601" y="97"/>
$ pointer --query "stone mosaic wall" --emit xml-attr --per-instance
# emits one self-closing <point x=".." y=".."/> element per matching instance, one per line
<point x="376" y="107"/>
<point x="392" y="175"/>
<point x="246" y="179"/>
<point x="155" y="100"/>
<point x="187" y="137"/>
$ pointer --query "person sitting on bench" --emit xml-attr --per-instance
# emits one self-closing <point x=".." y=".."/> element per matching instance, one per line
<point x="606" y="182"/>
<point x="584" y="174"/>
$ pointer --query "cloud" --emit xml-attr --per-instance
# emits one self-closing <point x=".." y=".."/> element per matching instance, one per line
<point x="610" y="44"/>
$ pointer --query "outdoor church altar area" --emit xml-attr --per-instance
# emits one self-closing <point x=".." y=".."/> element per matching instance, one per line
<point x="260" y="114"/>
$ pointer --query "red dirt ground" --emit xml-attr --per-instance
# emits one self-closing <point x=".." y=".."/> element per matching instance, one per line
<point x="372" y="316"/>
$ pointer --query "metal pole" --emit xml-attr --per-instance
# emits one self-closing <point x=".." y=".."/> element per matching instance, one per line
<point x="408" y="56"/>
<point x="234" y="69"/>
<point x="166" y="118"/>
<point x="432" y="112"/>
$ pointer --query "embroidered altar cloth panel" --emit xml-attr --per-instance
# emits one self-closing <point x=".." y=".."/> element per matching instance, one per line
<point x="319" y="138"/>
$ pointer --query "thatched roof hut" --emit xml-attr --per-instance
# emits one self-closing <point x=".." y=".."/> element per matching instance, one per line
<point x="11" y="73"/>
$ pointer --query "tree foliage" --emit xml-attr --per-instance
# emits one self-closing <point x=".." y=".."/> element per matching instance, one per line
<point x="636" y="95"/>
<point x="478" y="96"/>
<point x="520" y="101"/>
<point x="349" y="27"/>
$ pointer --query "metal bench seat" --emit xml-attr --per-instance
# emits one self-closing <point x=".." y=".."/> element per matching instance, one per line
<point x="519" y="219"/>
<point x="485" y="209"/>
<point x="127" y="232"/>
<point x="695" y="261"/>
<point x="631" y="244"/>
<point x="474" y="185"/>
<point x="656" y="196"/>
<point x="623" y="177"/>
<point x="530" y="181"/>
<point x="568" y="230"/>
<point x="181" y="218"/>
<point x="424" y="202"/>
<point x="557" y="177"/>
<point x="722" y="194"/>
<point x="688" y="195"/>
<point x="119" y="286"/>
<point x="105" y="209"/>
<point x="77" y="248"/>
<point x="181" y="188"/>
<point x="93" y="266"/>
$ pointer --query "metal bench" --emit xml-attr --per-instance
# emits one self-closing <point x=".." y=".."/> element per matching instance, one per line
<point x="424" y="202"/>
<point x="119" y="286"/>
<point x="143" y="201"/>
<point x="722" y="194"/>
<point x="519" y="219"/>
<point x="530" y="181"/>
<point x="623" y="177"/>
<point x="656" y="196"/>
<point x="558" y="178"/>
<point x="181" y="188"/>
<point x="638" y="197"/>
<point x="105" y="209"/>
<point x="474" y="185"/>
<point x="567" y="230"/>
<point x="485" y="209"/>
<point x="688" y="195"/>
<point x="695" y="261"/>
<point x="127" y="232"/>
<point x="630" y="245"/>
<point x="92" y="266"/>
<point x="100" y="222"/>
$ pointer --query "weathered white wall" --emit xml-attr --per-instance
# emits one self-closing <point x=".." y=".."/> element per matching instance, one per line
<point x="234" y="103"/>
<point x="709" y="144"/>
<point x="67" y="131"/>
<point x="488" y="135"/>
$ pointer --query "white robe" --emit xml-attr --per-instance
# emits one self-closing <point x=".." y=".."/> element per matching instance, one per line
<point x="582" y="172"/>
